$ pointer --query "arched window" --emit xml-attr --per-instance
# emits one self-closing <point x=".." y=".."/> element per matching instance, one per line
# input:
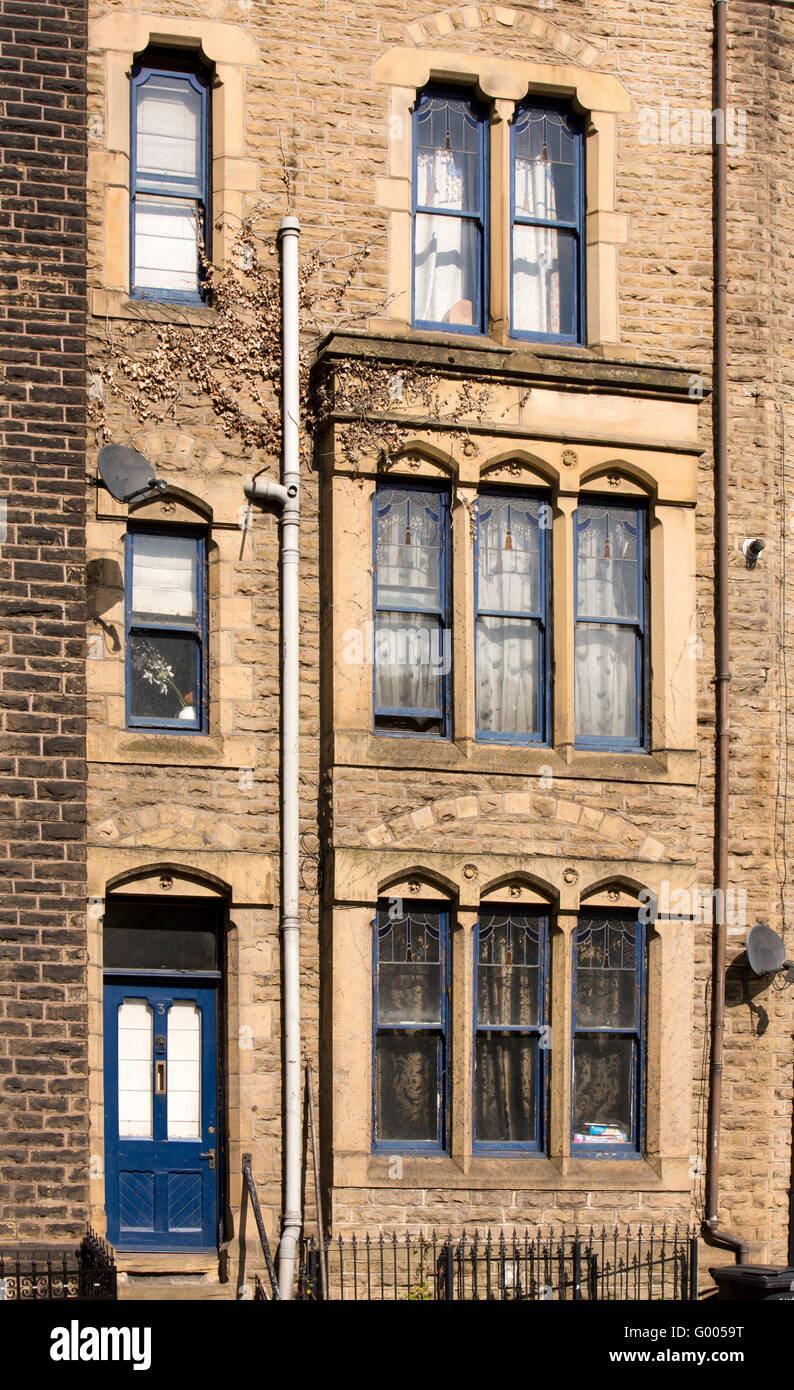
<point x="511" y="1038"/>
<point x="411" y="1024"/>
<point x="512" y="582"/>
<point x="611" y="644"/>
<point x="412" y="656"/>
<point x="608" y="1035"/>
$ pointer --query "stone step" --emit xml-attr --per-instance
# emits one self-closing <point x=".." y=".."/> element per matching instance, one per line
<point x="172" y="1288"/>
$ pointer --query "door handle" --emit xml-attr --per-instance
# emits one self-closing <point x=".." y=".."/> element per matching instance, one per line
<point x="211" y="1156"/>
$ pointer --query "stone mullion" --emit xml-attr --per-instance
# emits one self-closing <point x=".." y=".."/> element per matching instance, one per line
<point x="561" y="1020"/>
<point x="502" y="112"/>
<point x="462" y="636"/>
<point x="461" y="1043"/>
<point x="563" y="625"/>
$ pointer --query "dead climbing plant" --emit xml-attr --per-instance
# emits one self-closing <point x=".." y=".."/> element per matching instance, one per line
<point x="233" y="361"/>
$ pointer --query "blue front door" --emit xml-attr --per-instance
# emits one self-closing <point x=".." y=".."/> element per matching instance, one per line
<point x="161" y="1139"/>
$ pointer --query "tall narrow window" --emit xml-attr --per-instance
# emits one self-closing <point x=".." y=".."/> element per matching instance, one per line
<point x="410" y="1020"/>
<point x="548" y="224"/>
<point x="611" y="660"/>
<point x="450" y="224"/>
<point x="510" y="1030"/>
<point x="166" y="630"/>
<point x="511" y="603"/>
<point x="135" y="1069"/>
<point x="609" y="1037"/>
<point x="412" y="655"/>
<point x="169" y="181"/>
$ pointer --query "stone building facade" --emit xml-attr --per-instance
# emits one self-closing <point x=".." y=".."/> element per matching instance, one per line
<point x="420" y="817"/>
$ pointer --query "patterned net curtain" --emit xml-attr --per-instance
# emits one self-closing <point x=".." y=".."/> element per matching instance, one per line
<point x="606" y="1051"/>
<point x="510" y="1011"/>
<point x="410" y="1020"/>
<point x="509" y="608"/>
<point x="546" y="213"/>
<point x="608" y="618"/>
<point x="447" y="224"/>
<point x="409" y="638"/>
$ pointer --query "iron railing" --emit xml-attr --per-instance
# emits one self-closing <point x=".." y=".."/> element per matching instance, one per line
<point x="530" y="1266"/>
<point x="88" y="1272"/>
<point x="250" y="1194"/>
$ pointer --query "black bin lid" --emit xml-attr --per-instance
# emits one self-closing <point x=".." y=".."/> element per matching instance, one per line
<point x="780" y="1275"/>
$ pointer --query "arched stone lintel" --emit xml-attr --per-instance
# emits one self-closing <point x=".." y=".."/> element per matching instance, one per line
<point x="149" y="879"/>
<point x="614" y="891"/>
<point x="521" y="888"/>
<point x="422" y="883"/>
<point x="466" y="880"/>
<point x="242" y="879"/>
<point x="173" y="505"/>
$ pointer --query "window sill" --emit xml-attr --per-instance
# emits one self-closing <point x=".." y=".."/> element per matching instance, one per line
<point x="116" y="304"/>
<point x="525" y="1172"/>
<point x="166" y="749"/>
<point x="509" y="353"/>
<point x="473" y="338"/>
<point x="359" y="749"/>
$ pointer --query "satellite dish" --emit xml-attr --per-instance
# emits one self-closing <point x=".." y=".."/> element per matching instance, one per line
<point x="126" y="473"/>
<point x="765" y="950"/>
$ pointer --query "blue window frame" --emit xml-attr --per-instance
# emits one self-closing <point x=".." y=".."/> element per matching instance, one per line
<point x="412" y="640"/>
<point x="511" y="596"/>
<point x="410" y="1026"/>
<point x="169" y="183"/>
<point x="611" y="640"/>
<point x="608" y="1037"/>
<point x="166" y="630"/>
<point x="547" y="224"/>
<point x="450" y="212"/>
<point x="510" y="1030"/>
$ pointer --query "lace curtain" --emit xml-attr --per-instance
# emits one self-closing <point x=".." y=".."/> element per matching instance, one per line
<point x="446" y="247"/>
<point x="508" y="995"/>
<point x="547" y="212"/>
<point x="508" y="647"/>
<point x="409" y="645"/>
<point x="606" y="652"/>
<point x="447" y="241"/>
<point x="536" y="267"/>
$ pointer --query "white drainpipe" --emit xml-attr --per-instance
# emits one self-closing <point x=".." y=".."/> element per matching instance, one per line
<point x="287" y="496"/>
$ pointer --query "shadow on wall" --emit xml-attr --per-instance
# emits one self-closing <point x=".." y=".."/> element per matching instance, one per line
<point x="743" y="987"/>
<point x="105" y="584"/>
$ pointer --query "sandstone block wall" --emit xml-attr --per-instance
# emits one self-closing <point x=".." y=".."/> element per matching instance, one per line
<point x="315" y="116"/>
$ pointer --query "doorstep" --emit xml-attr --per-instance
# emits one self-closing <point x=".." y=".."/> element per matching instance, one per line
<point x="174" y="1262"/>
